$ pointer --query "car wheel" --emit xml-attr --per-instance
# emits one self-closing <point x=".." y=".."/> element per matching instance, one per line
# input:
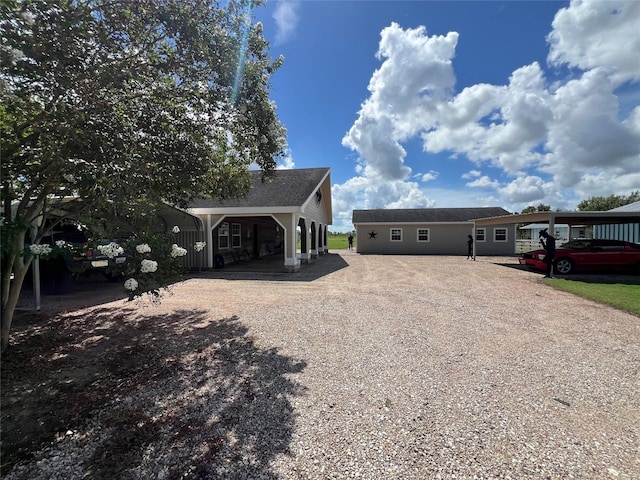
<point x="564" y="266"/>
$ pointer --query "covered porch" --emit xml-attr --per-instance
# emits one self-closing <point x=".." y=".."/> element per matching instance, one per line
<point x="289" y="239"/>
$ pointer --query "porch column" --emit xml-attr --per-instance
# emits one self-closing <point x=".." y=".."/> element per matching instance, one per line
<point x="305" y="256"/>
<point x="314" y="241"/>
<point x="291" y="260"/>
<point x="320" y="239"/>
<point x="209" y="242"/>
<point x="325" y="235"/>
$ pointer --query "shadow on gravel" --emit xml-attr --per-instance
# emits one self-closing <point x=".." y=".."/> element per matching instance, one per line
<point x="516" y="266"/>
<point x="159" y="396"/>
<point x="255" y="270"/>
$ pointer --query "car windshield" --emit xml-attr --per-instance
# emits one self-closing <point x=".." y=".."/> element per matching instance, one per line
<point x="577" y="244"/>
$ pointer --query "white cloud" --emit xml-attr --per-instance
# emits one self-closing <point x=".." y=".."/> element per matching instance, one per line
<point x="471" y="174"/>
<point x="286" y="163"/>
<point x="586" y="135"/>
<point x="497" y="124"/>
<point x="599" y="184"/>
<point x="593" y="34"/>
<point x="483" y="182"/>
<point x="524" y="190"/>
<point x="415" y="74"/>
<point x="286" y="18"/>
<point x="429" y="176"/>
<point x="363" y="192"/>
<point x="555" y="143"/>
<point x="382" y="154"/>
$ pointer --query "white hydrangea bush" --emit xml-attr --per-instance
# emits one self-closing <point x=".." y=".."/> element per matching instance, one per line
<point x="177" y="251"/>
<point x="154" y="261"/>
<point x="143" y="248"/>
<point x="112" y="250"/>
<point x="41" y="249"/>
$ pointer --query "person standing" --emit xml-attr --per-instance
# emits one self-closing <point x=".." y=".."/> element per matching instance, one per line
<point x="548" y="242"/>
<point x="470" y="247"/>
<point x="350" y="241"/>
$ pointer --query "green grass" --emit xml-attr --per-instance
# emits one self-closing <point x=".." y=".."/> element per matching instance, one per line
<point x="339" y="241"/>
<point x="620" y="295"/>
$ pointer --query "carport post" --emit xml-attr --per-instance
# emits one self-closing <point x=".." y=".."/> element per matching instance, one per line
<point x="35" y="263"/>
<point x="209" y="234"/>
<point x="473" y="235"/>
<point x="35" y="266"/>
<point x="552" y="226"/>
<point x="474" y="241"/>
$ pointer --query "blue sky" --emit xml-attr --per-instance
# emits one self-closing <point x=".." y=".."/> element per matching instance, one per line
<point x="417" y="104"/>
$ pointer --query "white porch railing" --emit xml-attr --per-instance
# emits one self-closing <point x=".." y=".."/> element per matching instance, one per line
<point x="524" y="245"/>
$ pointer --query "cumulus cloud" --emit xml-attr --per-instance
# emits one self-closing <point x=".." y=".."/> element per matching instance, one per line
<point x="286" y="18"/>
<point x="286" y="162"/>
<point x="594" y="34"/>
<point x="483" y="182"/>
<point x="524" y="189"/>
<point x="496" y="124"/>
<point x="415" y="73"/>
<point x="471" y="174"/>
<point x="368" y="192"/>
<point x="586" y="134"/>
<point x="554" y="141"/>
<point x="429" y="176"/>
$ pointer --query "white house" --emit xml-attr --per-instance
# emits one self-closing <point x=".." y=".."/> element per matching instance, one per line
<point x="277" y="211"/>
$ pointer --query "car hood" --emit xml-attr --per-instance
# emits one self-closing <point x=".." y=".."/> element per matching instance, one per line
<point x="543" y="251"/>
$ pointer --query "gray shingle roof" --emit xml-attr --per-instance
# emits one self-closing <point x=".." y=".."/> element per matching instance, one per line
<point x="286" y="188"/>
<point x="425" y="215"/>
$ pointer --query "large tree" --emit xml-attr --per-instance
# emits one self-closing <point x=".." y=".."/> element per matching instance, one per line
<point x="109" y="104"/>
<point x="602" y="204"/>
<point x="540" y="208"/>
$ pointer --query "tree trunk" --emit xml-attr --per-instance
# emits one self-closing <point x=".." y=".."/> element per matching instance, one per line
<point x="19" y="267"/>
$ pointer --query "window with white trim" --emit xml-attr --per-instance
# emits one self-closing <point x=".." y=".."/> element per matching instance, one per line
<point x="481" y="234"/>
<point x="396" y="234"/>
<point x="236" y="231"/>
<point x="423" y="235"/>
<point x="500" y="235"/>
<point x="223" y="235"/>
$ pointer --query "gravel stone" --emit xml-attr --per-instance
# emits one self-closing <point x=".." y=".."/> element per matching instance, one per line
<point x="372" y="367"/>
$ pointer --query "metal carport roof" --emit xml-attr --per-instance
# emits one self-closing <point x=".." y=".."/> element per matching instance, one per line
<point x="569" y="218"/>
<point x="551" y="218"/>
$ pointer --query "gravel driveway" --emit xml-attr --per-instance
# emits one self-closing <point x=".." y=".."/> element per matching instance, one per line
<point x="374" y="367"/>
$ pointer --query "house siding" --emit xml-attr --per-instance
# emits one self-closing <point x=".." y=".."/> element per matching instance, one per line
<point x="492" y="247"/>
<point x="314" y="212"/>
<point x="444" y="239"/>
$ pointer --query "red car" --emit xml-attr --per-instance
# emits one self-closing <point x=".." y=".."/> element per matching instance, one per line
<point x="587" y="254"/>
